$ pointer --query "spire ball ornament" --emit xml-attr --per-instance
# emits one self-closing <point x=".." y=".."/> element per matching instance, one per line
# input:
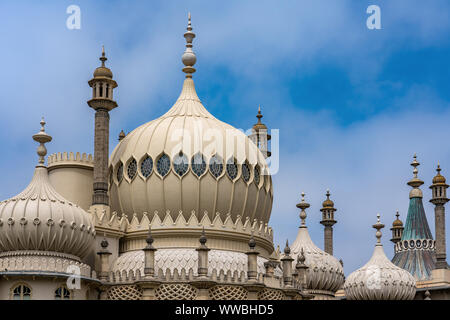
<point x="188" y="58"/>
<point x="42" y="137"/>
<point x="302" y="206"/>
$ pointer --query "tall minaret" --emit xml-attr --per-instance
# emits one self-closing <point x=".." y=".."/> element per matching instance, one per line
<point x="328" y="222"/>
<point x="260" y="136"/>
<point x="102" y="102"/>
<point x="439" y="199"/>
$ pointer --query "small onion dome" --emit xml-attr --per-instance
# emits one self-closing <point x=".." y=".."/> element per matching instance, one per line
<point x="328" y="203"/>
<point x="103" y="71"/>
<point x="439" y="179"/>
<point x="397" y="222"/>
<point x="39" y="218"/>
<point x="259" y="125"/>
<point x="380" y="279"/>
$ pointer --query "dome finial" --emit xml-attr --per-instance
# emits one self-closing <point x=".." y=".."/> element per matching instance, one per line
<point x="302" y="206"/>
<point x="259" y="115"/>
<point x="378" y="226"/>
<point x="415" y="182"/>
<point x="189" y="57"/>
<point x="103" y="58"/>
<point x="42" y="137"/>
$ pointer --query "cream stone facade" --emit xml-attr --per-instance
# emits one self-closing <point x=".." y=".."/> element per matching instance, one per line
<point x="181" y="210"/>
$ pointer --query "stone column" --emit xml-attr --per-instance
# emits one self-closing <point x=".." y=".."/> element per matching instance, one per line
<point x="104" y="254"/>
<point x="441" y="255"/>
<point x="328" y="239"/>
<point x="101" y="150"/>
<point x="149" y="257"/>
<point x="202" y="251"/>
<point x="252" y="264"/>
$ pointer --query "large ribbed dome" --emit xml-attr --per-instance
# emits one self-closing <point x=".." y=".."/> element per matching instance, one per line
<point x="39" y="218"/>
<point x="189" y="161"/>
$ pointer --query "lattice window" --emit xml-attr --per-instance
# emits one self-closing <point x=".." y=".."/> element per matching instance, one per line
<point x="228" y="293"/>
<point x="147" y="166"/>
<point x="130" y="292"/>
<point x="21" y="292"/>
<point x="132" y="169"/>
<point x="180" y="164"/>
<point x="62" y="293"/>
<point x="176" y="291"/>
<point x="216" y="166"/>
<point x="198" y="164"/>
<point x="246" y="172"/>
<point x="257" y="175"/>
<point x="163" y="165"/>
<point x="232" y="169"/>
<point x="119" y="173"/>
<point x="271" y="294"/>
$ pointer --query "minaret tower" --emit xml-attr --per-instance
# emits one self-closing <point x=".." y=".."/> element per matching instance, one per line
<point x="260" y="136"/>
<point x="439" y="199"/>
<point x="328" y="222"/>
<point x="102" y="102"/>
<point x="397" y="229"/>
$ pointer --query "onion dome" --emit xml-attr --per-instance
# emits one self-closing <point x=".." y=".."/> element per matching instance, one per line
<point x="39" y="218"/>
<point x="439" y="179"/>
<point x="188" y="161"/>
<point x="103" y="71"/>
<point x="380" y="279"/>
<point x="328" y="203"/>
<point x="325" y="274"/>
<point x="397" y="222"/>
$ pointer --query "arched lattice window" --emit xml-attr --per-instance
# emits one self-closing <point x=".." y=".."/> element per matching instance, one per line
<point x="119" y="173"/>
<point x="198" y="164"/>
<point x="232" y="168"/>
<point x="216" y="166"/>
<point x="62" y="293"/>
<point x="257" y="175"/>
<point x="163" y="165"/>
<point x="132" y="169"/>
<point x="21" y="292"/>
<point x="246" y="172"/>
<point x="180" y="164"/>
<point x="147" y="166"/>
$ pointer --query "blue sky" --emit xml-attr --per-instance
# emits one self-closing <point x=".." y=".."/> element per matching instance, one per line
<point x="352" y="105"/>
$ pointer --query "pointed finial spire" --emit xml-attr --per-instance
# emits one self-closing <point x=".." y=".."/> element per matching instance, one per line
<point x="149" y="238"/>
<point x="189" y="57"/>
<point x="415" y="182"/>
<point x="103" y="57"/>
<point x="378" y="226"/>
<point x="287" y="250"/>
<point x="259" y="115"/>
<point x="104" y="244"/>
<point x="397" y="214"/>
<point x="202" y="238"/>
<point x="302" y="206"/>
<point x="121" y="135"/>
<point x="42" y="137"/>
<point x="252" y="242"/>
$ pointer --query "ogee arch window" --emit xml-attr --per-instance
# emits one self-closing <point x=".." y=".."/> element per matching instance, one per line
<point x="120" y="172"/>
<point x="21" y="292"/>
<point x="257" y="175"/>
<point x="216" y="166"/>
<point x="132" y="169"/>
<point x="62" y="293"/>
<point x="198" y="164"/>
<point x="246" y="172"/>
<point x="163" y="165"/>
<point x="180" y="164"/>
<point x="232" y="168"/>
<point x="147" y="166"/>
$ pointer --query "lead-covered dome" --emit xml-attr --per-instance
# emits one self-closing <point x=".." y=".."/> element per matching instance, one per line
<point x="39" y="218"/>
<point x="189" y="161"/>
<point x="380" y="279"/>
